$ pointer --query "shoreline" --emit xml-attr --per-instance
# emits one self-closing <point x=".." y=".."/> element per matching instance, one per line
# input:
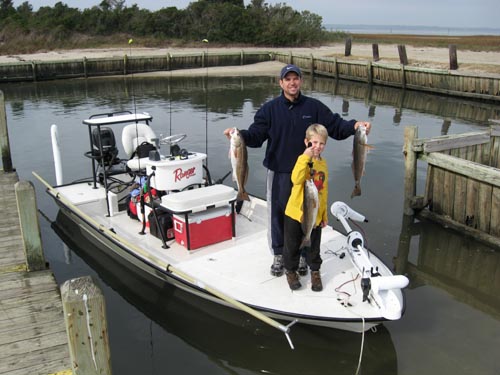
<point x="426" y="57"/>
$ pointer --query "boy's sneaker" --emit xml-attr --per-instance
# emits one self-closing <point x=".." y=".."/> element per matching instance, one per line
<point x="293" y="280"/>
<point x="316" y="284"/>
<point x="277" y="266"/>
<point x="302" y="266"/>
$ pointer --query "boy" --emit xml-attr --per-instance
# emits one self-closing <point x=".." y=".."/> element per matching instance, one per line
<point x="309" y="165"/>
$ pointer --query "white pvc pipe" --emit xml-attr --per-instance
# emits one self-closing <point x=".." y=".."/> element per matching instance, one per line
<point x="57" y="154"/>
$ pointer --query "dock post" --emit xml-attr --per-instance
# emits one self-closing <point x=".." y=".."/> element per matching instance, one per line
<point x="369" y="72"/>
<point x="403" y="58"/>
<point x="125" y="64"/>
<point x="4" y="137"/>
<point x="30" y="227"/>
<point x="453" y="57"/>
<point x="376" y="55"/>
<point x="85" y="317"/>
<point x="348" y="46"/>
<point x="85" y="67"/>
<point x="410" y="134"/>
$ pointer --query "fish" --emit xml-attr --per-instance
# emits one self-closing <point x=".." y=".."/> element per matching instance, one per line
<point x="360" y="149"/>
<point x="310" y="207"/>
<point x="239" y="162"/>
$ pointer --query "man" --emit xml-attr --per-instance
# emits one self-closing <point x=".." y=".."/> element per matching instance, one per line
<point x="282" y="122"/>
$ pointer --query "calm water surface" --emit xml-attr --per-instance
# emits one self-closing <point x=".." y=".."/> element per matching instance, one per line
<point x="451" y="325"/>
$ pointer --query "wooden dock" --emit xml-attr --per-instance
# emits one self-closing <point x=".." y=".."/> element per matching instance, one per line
<point x="448" y="82"/>
<point x="462" y="188"/>
<point x="33" y="337"/>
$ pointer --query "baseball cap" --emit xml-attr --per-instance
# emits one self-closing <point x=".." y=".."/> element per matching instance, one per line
<point x="290" y="68"/>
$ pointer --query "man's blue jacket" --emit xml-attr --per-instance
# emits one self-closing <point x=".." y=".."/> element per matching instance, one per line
<point x="283" y="125"/>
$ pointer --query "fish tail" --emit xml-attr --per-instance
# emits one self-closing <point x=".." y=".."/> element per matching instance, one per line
<point x="306" y="242"/>
<point x="242" y="196"/>
<point x="356" y="191"/>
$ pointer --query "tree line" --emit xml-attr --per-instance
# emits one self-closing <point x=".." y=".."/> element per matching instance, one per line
<point x="219" y="21"/>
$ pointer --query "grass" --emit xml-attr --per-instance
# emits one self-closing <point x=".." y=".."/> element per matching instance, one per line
<point x="17" y="43"/>
<point x="469" y="42"/>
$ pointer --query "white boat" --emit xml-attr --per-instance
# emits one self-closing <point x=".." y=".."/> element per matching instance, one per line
<point x="219" y="249"/>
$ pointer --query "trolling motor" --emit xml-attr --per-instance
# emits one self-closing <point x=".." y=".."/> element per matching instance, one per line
<point x="372" y="282"/>
<point x="355" y="241"/>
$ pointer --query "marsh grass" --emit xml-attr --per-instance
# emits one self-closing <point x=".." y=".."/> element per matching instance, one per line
<point x="13" y="42"/>
<point x="469" y="42"/>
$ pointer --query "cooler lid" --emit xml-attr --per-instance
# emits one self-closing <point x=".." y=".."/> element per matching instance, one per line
<point x="200" y="199"/>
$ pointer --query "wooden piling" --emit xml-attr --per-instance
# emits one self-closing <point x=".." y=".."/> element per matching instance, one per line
<point x="85" y="74"/>
<point x="453" y="57"/>
<point x="410" y="134"/>
<point x="125" y="64"/>
<point x="348" y="46"/>
<point x="30" y="227"/>
<point x="4" y="137"/>
<point x="369" y="72"/>
<point x="85" y="318"/>
<point x="403" y="58"/>
<point x="376" y="56"/>
<point x="33" y="69"/>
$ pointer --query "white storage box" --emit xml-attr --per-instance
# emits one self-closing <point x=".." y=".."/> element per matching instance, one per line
<point x="178" y="173"/>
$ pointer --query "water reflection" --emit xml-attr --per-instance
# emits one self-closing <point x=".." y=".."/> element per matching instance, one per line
<point x="444" y="258"/>
<point x="226" y="95"/>
<point x="229" y="338"/>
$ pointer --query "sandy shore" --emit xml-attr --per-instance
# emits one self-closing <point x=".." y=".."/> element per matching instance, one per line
<point x="429" y="57"/>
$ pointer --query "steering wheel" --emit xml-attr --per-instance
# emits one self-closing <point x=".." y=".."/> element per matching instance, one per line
<point x="172" y="139"/>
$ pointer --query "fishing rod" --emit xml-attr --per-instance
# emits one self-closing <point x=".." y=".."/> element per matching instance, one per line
<point x="206" y="99"/>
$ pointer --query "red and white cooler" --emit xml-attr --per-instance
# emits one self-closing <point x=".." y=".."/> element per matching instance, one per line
<point x="203" y="228"/>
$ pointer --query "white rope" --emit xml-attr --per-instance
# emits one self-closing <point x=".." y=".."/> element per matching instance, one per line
<point x="88" y="330"/>
<point x="362" y="347"/>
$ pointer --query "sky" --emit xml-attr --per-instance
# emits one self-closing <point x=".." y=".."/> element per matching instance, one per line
<point x="443" y="13"/>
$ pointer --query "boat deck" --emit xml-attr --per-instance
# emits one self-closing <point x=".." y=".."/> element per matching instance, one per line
<point x="240" y="266"/>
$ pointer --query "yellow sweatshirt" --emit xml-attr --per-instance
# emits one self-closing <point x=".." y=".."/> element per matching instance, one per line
<point x="300" y="173"/>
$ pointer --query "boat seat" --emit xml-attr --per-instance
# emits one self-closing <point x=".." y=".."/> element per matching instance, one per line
<point x="201" y="199"/>
<point x="133" y="136"/>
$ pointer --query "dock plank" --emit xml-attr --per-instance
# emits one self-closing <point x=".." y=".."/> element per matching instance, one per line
<point x="33" y="338"/>
<point x="53" y="359"/>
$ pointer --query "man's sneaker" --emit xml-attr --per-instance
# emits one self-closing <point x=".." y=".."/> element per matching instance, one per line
<point x="316" y="284"/>
<point x="277" y="266"/>
<point x="293" y="280"/>
<point x="302" y="266"/>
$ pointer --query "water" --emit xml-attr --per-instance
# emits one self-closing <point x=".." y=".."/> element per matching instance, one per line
<point x="451" y="324"/>
<point x="413" y="30"/>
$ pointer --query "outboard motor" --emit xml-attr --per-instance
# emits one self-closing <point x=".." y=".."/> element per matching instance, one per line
<point x="104" y="138"/>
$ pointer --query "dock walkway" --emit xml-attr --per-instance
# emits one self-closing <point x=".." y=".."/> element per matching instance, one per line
<point x="33" y="337"/>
